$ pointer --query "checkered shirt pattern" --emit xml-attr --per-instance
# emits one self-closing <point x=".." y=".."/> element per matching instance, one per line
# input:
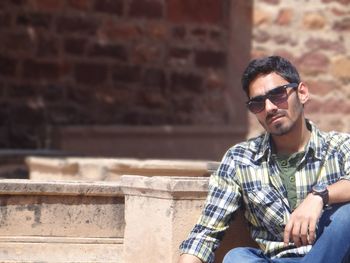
<point x="249" y="176"/>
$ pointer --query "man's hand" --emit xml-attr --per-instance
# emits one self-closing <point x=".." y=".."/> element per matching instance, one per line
<point x="186" y="258"/>
<point x="301" y="228"/>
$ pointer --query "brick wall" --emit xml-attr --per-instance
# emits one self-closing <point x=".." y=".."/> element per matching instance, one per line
<point x="315" y="35"/>
<point x="104" y="62"/>
<point x="155" y="62"/>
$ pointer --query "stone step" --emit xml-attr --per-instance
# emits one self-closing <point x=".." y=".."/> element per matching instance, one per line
<point x="30" y="249"/>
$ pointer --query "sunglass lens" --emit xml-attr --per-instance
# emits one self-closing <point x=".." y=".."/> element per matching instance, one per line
<point x="256" y="106"/>
<point x="278" y="95"/>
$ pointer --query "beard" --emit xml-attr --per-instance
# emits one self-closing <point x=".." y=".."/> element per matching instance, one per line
<point x="283" y="125"/>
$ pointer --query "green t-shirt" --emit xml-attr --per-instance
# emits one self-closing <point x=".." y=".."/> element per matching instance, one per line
<point x="288" y="165"/>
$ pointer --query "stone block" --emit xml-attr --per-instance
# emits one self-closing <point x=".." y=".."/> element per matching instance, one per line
<point x="60" y="250"/>
<point x="61" y="222"/>
<point x="111" y="169"/>
<point x="171" y="207"/>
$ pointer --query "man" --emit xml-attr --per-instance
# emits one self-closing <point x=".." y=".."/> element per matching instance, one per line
<point x="294" y="180"/>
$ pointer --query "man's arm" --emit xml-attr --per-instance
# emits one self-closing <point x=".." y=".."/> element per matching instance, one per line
<point x="187" y="258"/>
<point x="301" y="227"/>
<point x="339" y="192"/>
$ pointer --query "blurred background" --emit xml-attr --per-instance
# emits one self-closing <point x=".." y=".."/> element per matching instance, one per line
<point x="158" y="78"/>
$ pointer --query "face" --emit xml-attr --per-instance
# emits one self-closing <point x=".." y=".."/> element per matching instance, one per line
<point x="279" y="119"/>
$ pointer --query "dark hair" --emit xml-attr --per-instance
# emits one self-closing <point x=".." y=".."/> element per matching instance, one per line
<point x="267" y="65"/>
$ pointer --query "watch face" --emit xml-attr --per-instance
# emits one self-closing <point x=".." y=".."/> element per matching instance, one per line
<point x="319" y="188"/>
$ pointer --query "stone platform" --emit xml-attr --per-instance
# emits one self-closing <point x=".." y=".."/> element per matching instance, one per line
<point x="132" y="218"/>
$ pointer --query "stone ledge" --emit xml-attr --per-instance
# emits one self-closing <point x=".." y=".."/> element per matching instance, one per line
<point x="62" y="240"/>
<point x="32" y="252"/>
<point x="25" y="187"/>
<point x="110" y="169"/>
<point x="165" y="187"/>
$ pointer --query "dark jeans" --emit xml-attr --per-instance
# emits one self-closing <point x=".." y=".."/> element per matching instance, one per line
<point x="331" y="246"/>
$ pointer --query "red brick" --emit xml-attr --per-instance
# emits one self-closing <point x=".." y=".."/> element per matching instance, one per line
<point x="343" y="2"/>
<point x="342" y="25"/>
<point x="325" y="44"/>
<point x="335" y="105"/>
<point x="211" y="59"/>
<point x="313" y="63"/>
<point x="261" y="36"/>
<point x="49" y="5"/>
<point x="82" y="5"/>
<point x="154" y="78"/>
<point x="86" y="25"/>
<point x="53" y="93"/>
<point x="284" y="17"/>
<point x="7" y="66"/>
<point x="75" y="46"/>
<point x="179" y="32"/>
<point x="272" y="2"/>
<point x="19" y="42"/>
<point x="91" y="73"/>
<point x="111" y="51"/>
<point x="322" y="88"/>
<point x="179" y="57"/>
<point x="34" y="19"/>
<point x="109" y="6"/>
<point x="186" y="82"/>
<point x="198" y="11"/>
<point x="146" y="9"/>
<point x="5" y="20"/>
<point x="22" y="91"/>
<point x="147" y="53"/>
<point x="152" y="99"/>
<point x="126" y="74"/>
<point x="47" y="46"/>
<point x="42" y="70"/>
<point x="117" y="30"/>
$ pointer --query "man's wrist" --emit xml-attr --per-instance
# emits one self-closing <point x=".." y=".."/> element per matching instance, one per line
<point x="321" y="191"/>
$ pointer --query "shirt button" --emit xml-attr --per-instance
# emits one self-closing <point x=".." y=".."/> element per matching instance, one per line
<point x="292" y="179"/>
<point x="284" y="163"/>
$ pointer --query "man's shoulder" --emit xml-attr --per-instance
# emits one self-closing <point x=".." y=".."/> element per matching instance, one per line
<point x="247" y="148"/>
<point x="333" y="139"/>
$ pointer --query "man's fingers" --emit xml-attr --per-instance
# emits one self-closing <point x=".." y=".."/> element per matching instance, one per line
<point x="304" y="233"/>
<point x="296" y="234"/>
<point x="312" y="232"/>
<point x="287" y="231"/>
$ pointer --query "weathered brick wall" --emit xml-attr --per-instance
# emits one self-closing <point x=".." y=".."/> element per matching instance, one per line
<point x="154" y="62"/>
<point x="315" y="35"/>
<point x="90" y="62"/>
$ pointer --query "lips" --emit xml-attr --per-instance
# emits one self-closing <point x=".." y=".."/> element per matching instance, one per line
<point x="272" y="118"/>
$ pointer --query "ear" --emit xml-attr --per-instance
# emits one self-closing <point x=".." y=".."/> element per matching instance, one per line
<point x="303" y="93"/>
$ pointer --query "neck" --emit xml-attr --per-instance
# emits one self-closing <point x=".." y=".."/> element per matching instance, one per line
<point x="295" y="140"/>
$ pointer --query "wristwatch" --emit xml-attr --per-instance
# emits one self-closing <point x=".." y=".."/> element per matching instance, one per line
<point x="321" y="190"/>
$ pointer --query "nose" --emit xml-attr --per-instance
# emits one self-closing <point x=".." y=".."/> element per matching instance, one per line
<point x="269" y="106"/>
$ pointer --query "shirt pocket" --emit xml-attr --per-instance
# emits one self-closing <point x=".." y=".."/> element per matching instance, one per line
<point x="268" y="208"/>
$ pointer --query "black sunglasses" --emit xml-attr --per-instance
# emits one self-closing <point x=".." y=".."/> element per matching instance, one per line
<point x="277" y="96"/>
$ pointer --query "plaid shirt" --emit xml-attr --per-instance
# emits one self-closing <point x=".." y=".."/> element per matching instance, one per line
<point x="248" y="174"/>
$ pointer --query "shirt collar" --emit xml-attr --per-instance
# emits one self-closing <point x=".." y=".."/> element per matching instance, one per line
<point x="314" y="146"/>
